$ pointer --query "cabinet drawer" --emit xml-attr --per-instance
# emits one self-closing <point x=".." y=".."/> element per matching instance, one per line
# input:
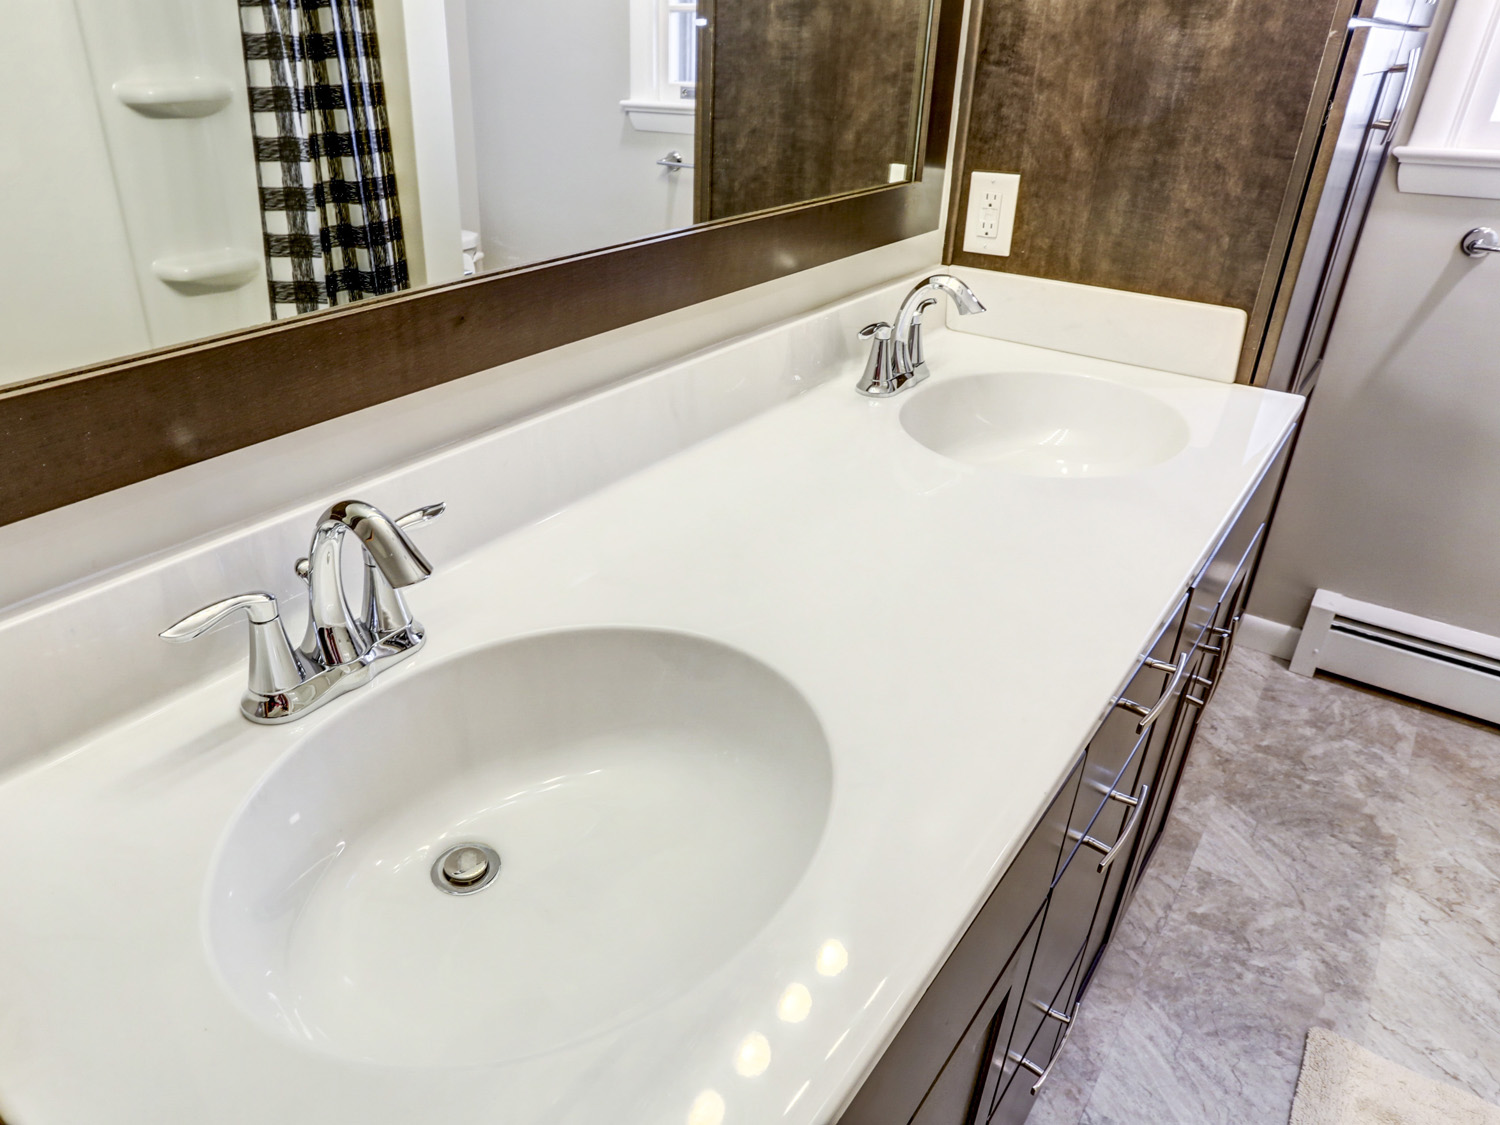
<point x="1233" y="557"/>
<point x="1140" y="779"/>
<point x="954" y="1096"/>
<point x="1029" y="1061"/>
<point x="1112" y="803"/>
<point x="1211" y="629"/>
<point x="1208" y="609"/>
<point x="902" y="1078"/>
<point x="1145" y="704"/>
<point x="1217" y="640"/>
<point x="1079" y="896"/>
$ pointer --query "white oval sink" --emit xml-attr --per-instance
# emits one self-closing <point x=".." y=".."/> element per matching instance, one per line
<point x="653" y="798"/>
<point x="1045" y="424"/>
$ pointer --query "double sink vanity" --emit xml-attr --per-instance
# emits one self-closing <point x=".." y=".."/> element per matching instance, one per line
<point x="798" y="774"/>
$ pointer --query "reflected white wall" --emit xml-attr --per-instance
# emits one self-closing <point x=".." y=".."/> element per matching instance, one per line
<point x="68" y="287"/>
<point x="415" y="66"/>
<point x="463" y="113"/>
<point x="184" y="172"/>
<point x="559" y="167"/>
<point x="132" y="213"/>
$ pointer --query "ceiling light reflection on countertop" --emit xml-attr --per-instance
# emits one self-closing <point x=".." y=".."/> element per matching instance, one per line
<point x="794" y="1004"/>
<point x="753" y="1056"/>
<point x="707" y="1109"/>
<point x="833" y="958"/>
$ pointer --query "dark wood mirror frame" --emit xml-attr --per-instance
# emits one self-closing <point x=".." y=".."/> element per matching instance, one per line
<point x="70" y="436"/>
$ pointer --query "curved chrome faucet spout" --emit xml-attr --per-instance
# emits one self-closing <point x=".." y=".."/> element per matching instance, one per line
<point x="910" y="314"/>
<point x="341" y="637"/>
<point x="897" y="360"/>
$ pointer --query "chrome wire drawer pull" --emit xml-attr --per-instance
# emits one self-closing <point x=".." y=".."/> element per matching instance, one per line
<point x="1206" y="684"/>
<point x="1226" y="645"/>
<point x="1221" y="633"/>
<point x="1150" y="714"/>
<point x="1041" y="1074"/>
<point x="1136" y="804"/>
<point x="1052" y="1013"/>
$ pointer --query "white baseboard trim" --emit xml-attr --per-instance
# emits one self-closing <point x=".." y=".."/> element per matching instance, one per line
<point x="1412" y="656"/>
<point x="1261" y="634"/>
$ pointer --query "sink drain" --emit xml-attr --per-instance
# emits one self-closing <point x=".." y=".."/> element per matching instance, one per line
<point x="465" y="868"/>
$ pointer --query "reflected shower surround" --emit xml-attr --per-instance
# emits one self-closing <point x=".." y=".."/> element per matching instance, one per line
<point x="328" y="199"/>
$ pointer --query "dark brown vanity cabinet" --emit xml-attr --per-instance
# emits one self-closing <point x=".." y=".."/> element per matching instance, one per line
<point x="996" y="1002"/>
<point x="1216" y="601"/>
<point x="981" y="1041"/>
<point x="1112" y="798"/>
<point x="929" y="1074"/>
<point x="966" y="1071"/>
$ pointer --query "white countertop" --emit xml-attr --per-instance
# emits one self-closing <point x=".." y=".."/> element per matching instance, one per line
<point x="956" y="630"/>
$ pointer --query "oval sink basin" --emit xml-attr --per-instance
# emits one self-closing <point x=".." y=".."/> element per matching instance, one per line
<point x="652" y="799"/>
<point x="1045" y="424"/>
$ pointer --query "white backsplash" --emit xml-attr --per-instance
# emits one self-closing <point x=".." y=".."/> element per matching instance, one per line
<point x="43" y="555"/>
<point x="103" y="632"/>
<point x="124" y="565"/>
<point x="1184" y="337"/>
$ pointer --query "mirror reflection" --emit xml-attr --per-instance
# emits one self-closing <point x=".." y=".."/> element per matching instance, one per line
<point x="176" y="169"/>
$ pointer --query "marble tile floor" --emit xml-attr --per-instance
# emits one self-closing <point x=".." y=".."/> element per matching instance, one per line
<point x="1333" y="860"/>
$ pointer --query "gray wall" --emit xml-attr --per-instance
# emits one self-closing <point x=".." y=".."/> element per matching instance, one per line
<point x="1394" y="493"/>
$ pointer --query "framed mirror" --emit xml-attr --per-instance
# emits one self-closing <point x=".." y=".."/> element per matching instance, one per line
<point x="231" y="221"/>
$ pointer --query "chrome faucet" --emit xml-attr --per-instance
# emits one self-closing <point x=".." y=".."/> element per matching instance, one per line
<point x="391" y="560"/>
<point x="897" y="358"/>
<point x="340" y="651"/>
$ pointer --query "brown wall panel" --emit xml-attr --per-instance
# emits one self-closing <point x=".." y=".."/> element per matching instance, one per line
<point x="806" y="99"/>
<point x="1156" y="139"/>
<point x="71" y="437"/>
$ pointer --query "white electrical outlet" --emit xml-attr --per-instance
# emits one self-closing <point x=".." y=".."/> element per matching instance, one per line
<point x="992" y="212"/>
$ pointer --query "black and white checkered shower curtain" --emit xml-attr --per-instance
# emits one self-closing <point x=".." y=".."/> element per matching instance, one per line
<point x="328" y="200"/>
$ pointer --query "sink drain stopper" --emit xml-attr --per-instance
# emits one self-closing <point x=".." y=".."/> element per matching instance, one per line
<point x="465" y="868"/>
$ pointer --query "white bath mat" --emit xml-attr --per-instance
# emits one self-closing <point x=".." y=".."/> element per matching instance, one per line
<point x="1343" y="1084"/>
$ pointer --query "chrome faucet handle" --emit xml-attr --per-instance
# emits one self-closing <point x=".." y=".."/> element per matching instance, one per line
<point x="914" y="348"/>
<point x="259" y="606"/>
<point x="418" y="516"/>
<point x="385" y="613"/>
<point x="275" y="667"/>
<point x="879" y="379"/>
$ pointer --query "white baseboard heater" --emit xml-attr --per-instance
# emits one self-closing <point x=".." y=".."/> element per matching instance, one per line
<point x="1412" y="656"/>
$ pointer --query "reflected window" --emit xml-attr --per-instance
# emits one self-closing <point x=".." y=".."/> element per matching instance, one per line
<point x="1476" y="129"/>
<point x="678" y="54"/>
